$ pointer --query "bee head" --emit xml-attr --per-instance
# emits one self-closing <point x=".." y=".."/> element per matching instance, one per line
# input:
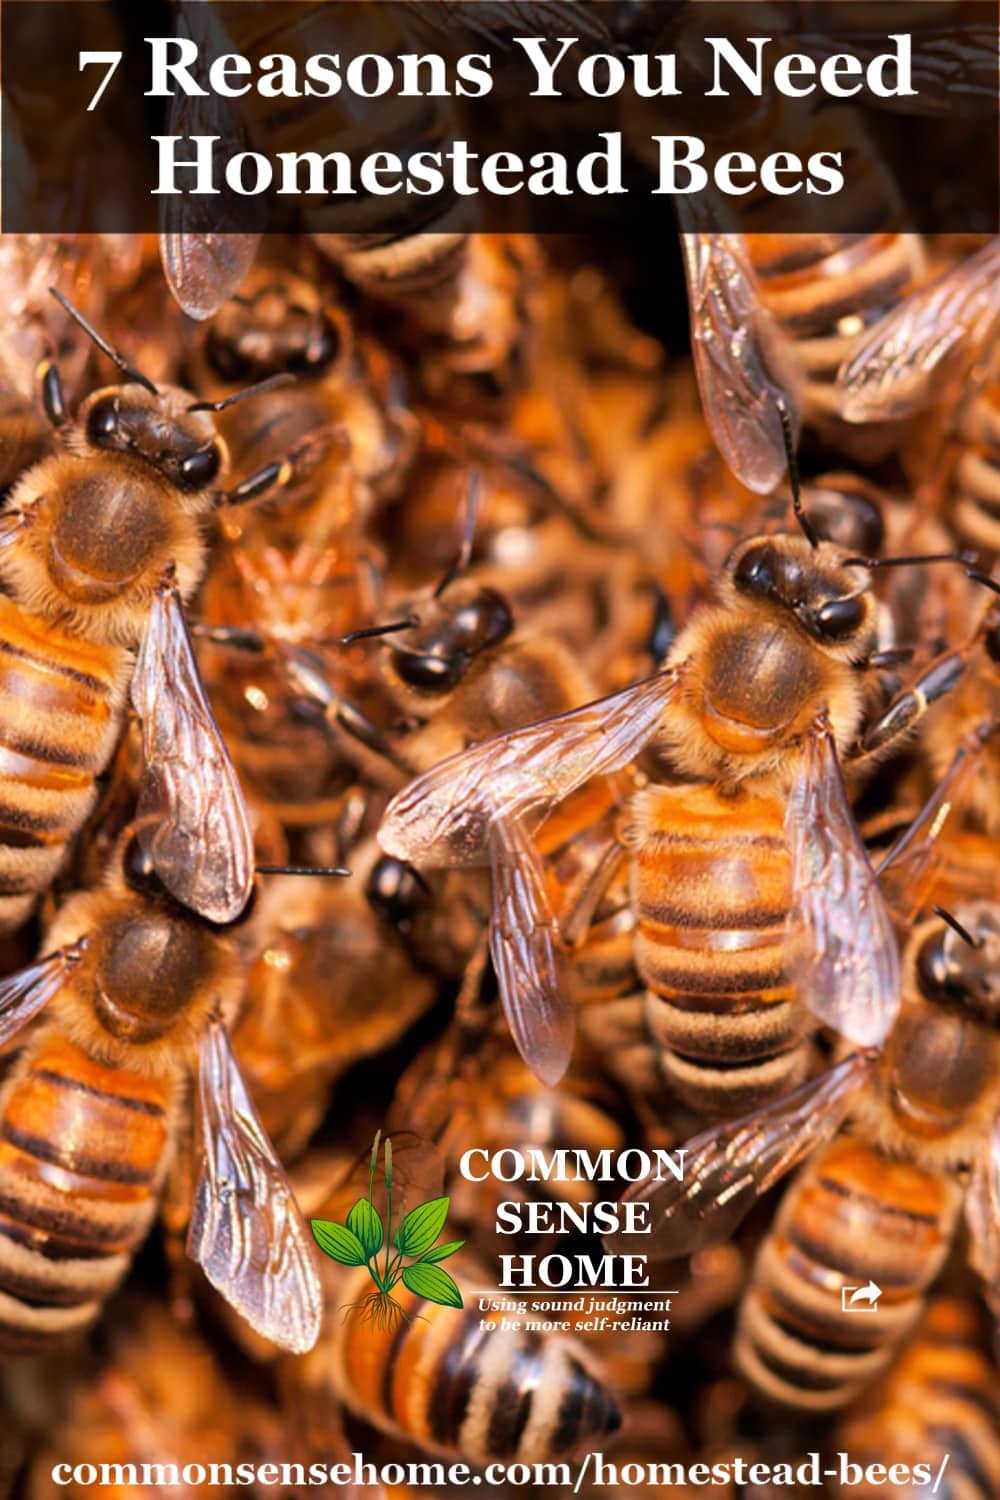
<point x="817" y="587"/>
<point x="432" y="657"/>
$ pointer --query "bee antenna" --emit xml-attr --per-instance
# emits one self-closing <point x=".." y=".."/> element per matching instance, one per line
<point x="905" y="562"/>
<point x="468" y="535"/>
<point x="956" y="926"/>
<point x="372" y="630"/>
<point x="272" y="383"/>
<point x="983" y="578"/>
<point x="300" y="870"/>
<point x="808" y="530"/>
<point x="116" y="357"/>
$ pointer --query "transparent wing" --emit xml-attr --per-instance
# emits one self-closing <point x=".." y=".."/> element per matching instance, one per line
<point x="199" y="835"/>
<point x="203" y="270"/>
<point x="982" y="1211"/>
<point x="443" y="817"/>
<point x="527" y="954"/>
<point x="840" y="946"/>
<point x="203" y="264"/>
<point x="899" y="364"/>
<point x="23" y="994"/>
<point x="909" y="870"/>
<point x="246" y="1230"/>
<point x="735" y="346"/>
<point x="728" y="1168"/>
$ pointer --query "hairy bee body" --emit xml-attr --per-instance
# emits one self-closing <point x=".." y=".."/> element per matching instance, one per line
<point x="856" y="1216"/>
<point x="83" y="1149"/>
<point x="88" y="1118"/>
<point x="881" y="1203"/>
<point x="940" y="1398"/>
<point x="61" y="702"/>
<point x="456" y="1387"/>
<point x="823" y="289"/>
<point x="711" y="889"/>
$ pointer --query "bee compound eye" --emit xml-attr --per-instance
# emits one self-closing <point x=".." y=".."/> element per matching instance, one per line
<point x="139" y="870"/>
<point x="839" y="618"/>
<point x="427" y="673"/>
<point x="200" y="469"/>
<point x="103" y="421"/>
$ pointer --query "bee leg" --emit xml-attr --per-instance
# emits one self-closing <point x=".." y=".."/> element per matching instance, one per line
<point x="265" y="481"/>
<point x="305" y="672"/>
<point x="910" y="705"/>
<point x="576" y="915"/>
<point x="52" y="394"/>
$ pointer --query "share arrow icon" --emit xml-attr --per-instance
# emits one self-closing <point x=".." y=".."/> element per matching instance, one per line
<point x="860" y="1298"/>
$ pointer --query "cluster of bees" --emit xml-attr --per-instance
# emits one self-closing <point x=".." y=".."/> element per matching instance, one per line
<point x="430" y="703"/>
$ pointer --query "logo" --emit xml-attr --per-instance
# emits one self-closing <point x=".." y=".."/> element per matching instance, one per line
<point x="411" y="1255"/>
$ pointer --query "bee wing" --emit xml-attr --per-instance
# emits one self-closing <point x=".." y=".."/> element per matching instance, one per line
<point x="897" y="366"/>
<point x="728" y="1168"/>
<point x="246" y="1230"/>
<point x="204" y="270"/>
<point x="909" y="869"/>
<point x="199" y="837"/>
<point x="527" y="954"/>
<point x="840" y="946"/>
<point x="982" y="1211"/>
<point x="735" y="346"/>
<point x="443" y="817"/>
<point x="203" y="266"/>
<point x="24" y="993"/>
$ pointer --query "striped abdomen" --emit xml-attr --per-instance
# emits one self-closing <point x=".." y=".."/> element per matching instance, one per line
<point x="942" y="1396"/>
<point x="976" y="485"/>
<point x="711" y="892"/>
<point x="83" y="1148"/>
<point x="458" y="1389"/>
<point x="851" y="1217"/>
<point x="823" y="289"/>
<point x="61" y="703"/>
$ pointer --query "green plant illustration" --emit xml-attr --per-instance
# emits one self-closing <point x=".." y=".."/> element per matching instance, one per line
<point x="360" y="1241"/>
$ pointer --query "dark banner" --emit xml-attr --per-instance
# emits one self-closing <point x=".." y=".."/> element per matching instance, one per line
<point x="383" y="118"/>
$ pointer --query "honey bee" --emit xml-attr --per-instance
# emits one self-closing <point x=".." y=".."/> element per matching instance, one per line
<point x="133" y="983"/>
<point x="763" y="692"/>
<point x="99" y="546"/>
<point x="452" y="1386"/>
<point x="916" y="356"/>
<point x="937" y="1407"/>
<point x="462" y="672"/>
<point x="879" y="1204"/>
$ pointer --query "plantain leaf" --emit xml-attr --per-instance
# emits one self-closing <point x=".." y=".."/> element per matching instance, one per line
<point x="441" y="1252"/>
<point x="366" y="1222"/>
<point x="422" y="1226"/>
<point x="338" y="1242"/>
<point x="433" y="1284"/>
